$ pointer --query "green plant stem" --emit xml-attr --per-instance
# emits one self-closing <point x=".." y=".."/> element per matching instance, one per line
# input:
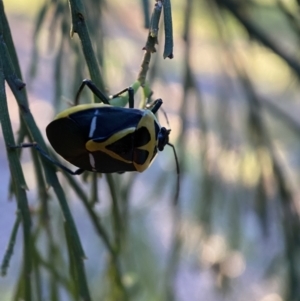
<point x="150" y="43"/>
<point x="145" y="6"/>
<point x="95" y="219"/>
<point x="94" y="189"/>
<point x="77" y="267"/>
<point x="36" y="136"/>
<point x="100" y="230"/>
<point x="168" y="46"/>
<point x="16" y="85"/>
<point x="155" y="18"/>
<point x="9" y="41"/>
<point x="79" y="26"/>
<point x="117" y="221"/>
<point x="16" y="171"/>
<point x="10" y="247"/>
<point x="37" y="279"/>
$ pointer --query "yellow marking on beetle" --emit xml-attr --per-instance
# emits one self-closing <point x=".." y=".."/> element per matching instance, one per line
<point x="148" y="122"/>
<point x="93" y="146"/>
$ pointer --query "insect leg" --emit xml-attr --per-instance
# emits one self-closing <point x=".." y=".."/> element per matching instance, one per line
<point x="130" y="96"/>
<point x="93" y="88"/>
<point x="155" y="105"/>
<point x="45" y="155"/>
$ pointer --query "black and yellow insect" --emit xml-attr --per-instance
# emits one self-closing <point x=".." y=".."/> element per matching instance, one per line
<point x="102" y="138"/>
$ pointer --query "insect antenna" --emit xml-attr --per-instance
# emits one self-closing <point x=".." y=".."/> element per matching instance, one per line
<point x="166" y="116"/>
<point x="149" y="105"/>
<point x="178" y="175"/>
<point x="159" y="101"/>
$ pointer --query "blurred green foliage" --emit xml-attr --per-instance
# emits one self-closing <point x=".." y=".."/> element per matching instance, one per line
<point x="231" y="97"/>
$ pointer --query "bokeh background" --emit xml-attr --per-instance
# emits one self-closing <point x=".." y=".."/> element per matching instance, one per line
<point x="231" y="98"/>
